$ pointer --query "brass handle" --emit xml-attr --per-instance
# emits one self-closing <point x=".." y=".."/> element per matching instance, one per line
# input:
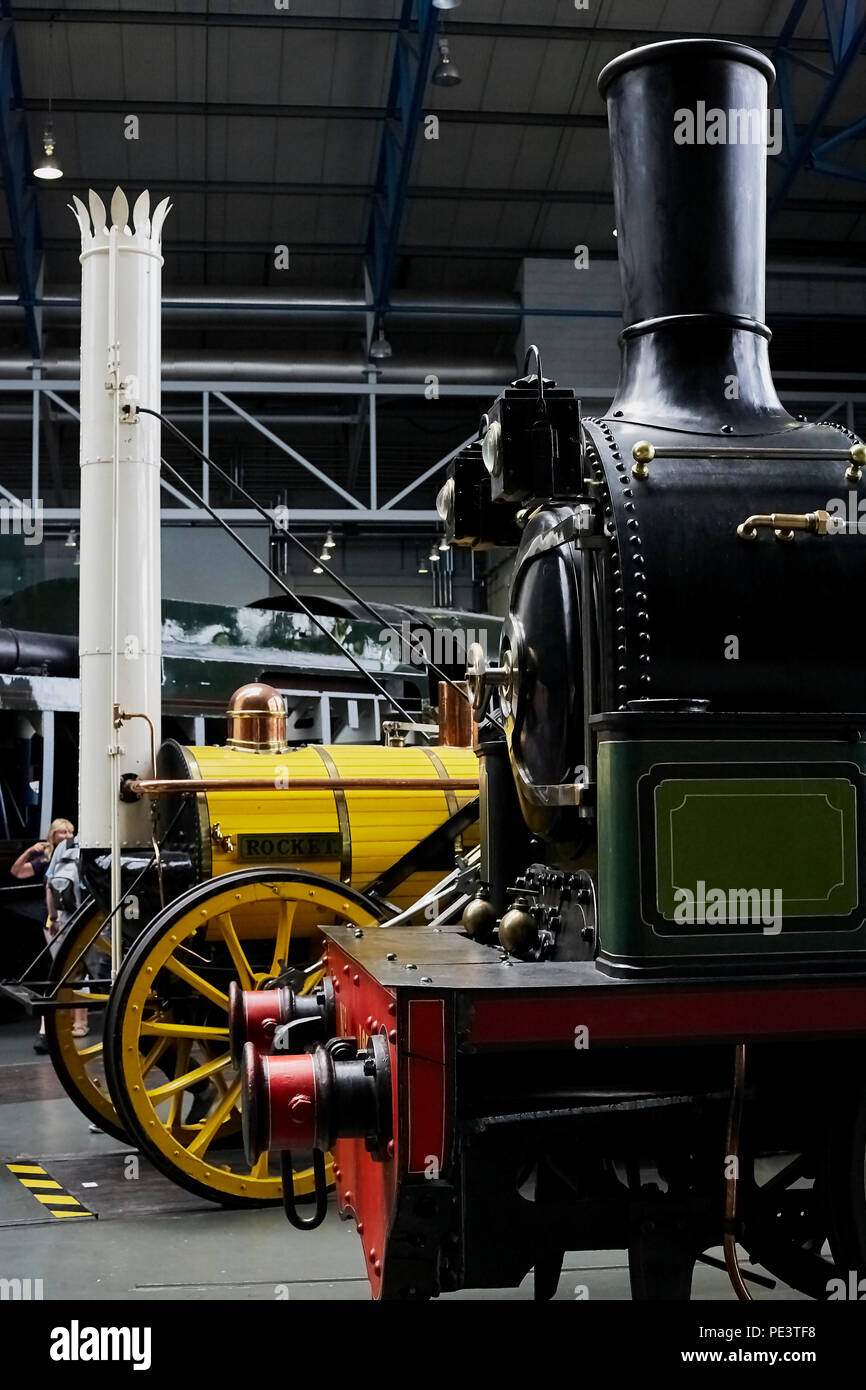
<point x="784" y="524"/>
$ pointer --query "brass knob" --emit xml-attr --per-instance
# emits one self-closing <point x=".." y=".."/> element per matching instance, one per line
<point x="854" y="471"/>
<point x="642" y="453"/>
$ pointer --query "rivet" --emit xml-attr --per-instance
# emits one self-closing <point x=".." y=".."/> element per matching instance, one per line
<point x="390" y="1148"/>
<point x="392" y="1036"/>
<point x="346" y="970"/>
<point x="356" y="979"/>
<point x="392" y="955"/>
<point x="392" y="1007"/>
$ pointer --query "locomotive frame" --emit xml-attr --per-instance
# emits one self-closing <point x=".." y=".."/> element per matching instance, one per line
<point x="576" y="1066"/>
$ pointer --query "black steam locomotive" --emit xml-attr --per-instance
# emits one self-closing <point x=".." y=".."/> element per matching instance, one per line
<point x="649" y="1030"/>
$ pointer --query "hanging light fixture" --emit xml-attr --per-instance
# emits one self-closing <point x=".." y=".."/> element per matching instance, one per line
<point x="443" y="545"/>
<point x="329" y="541"/>
<point x="48" y="167"/>
<point x="380" y="348"/>
<point x="70" y="542"/>
<point x="77" y="560"/>
<point x="446" y="4"/>
<point x="445" y="73"/>
<point x="325" y="556"/>
<point x="317" y="569"/>
<point x="433" y="557"/>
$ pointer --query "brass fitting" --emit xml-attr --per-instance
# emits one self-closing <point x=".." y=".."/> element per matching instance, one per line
<point x="784" y="524"/>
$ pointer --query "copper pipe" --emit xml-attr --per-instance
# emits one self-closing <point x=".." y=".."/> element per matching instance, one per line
<point x="732" y="1151"/>
<point x="140" y="786"/>
<point x="455" y="715"/>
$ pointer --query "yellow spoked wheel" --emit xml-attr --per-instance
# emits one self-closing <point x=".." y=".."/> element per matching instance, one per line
<point x="168" y="1062"/>
<point x="83" y="954"/>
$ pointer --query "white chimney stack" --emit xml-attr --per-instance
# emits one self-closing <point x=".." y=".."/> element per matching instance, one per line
<point x="120" y="596"/>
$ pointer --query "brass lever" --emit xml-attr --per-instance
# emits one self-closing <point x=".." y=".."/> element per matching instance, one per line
<point x="784" y="524"/>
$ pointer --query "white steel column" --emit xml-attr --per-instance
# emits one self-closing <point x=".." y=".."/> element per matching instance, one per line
<point x="120" y="595"/>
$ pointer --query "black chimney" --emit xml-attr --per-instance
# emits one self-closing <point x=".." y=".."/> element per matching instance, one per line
<point x="688" y="125"/>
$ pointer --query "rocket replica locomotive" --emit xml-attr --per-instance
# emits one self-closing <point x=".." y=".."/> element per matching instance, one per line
<point x="649" y="1030"/>
<point x="203" y="865"/>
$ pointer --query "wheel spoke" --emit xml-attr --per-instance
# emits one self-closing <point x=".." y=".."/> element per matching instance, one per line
<point x="229" y="934"/>
<point x="214" y="1121"/>
<point x="182" y="1083"/>
<point x="180" y="1061"/>
<point x="313" y="980"/>
<point x="156" y="1028"/>
<point x="83" y="996"/>
<point x="197" y="982"/>
<point x="284" y="935"/>
<point x="150" y="1060"/>
<point x="87" y="1053"/>
<point x="260" y="1167"/>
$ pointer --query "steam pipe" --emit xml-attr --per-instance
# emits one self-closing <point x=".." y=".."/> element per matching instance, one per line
<point x="322" y="309"/>
<point x="48" y="653"/>
<point x="161" y="786"/>
<point x="254" y="366"/>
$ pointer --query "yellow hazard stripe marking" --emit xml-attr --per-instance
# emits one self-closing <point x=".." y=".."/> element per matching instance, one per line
<point x="51" y="1194"/>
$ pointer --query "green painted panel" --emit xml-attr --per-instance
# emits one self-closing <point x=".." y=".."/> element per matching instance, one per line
<point x="795" y="836"/>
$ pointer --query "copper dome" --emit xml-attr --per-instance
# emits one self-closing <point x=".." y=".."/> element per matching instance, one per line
<point x="257" y="719"/>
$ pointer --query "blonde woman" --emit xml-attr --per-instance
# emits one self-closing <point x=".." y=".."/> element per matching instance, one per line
<point x="34" y="864"/>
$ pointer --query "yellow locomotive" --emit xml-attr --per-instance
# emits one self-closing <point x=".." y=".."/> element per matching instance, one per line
<point x="277" y="842"/>
<point x="203" y="865"/>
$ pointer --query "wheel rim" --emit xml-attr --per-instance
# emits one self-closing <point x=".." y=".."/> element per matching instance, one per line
<point x="79" y="1062"/>
<point x="169" y="1025"/>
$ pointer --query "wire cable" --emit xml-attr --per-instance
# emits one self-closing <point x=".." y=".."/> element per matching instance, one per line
<point x="263" y="565"/>
<point x="266" y="515"/>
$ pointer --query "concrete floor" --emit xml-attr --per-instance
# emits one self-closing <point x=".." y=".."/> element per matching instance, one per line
<point x="160" y="1243"/>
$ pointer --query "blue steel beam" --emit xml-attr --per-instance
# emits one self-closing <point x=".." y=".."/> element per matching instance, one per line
<point x="17" y="170"/>
<point x="845" y="22"/>
<point x="415" y="40"/>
